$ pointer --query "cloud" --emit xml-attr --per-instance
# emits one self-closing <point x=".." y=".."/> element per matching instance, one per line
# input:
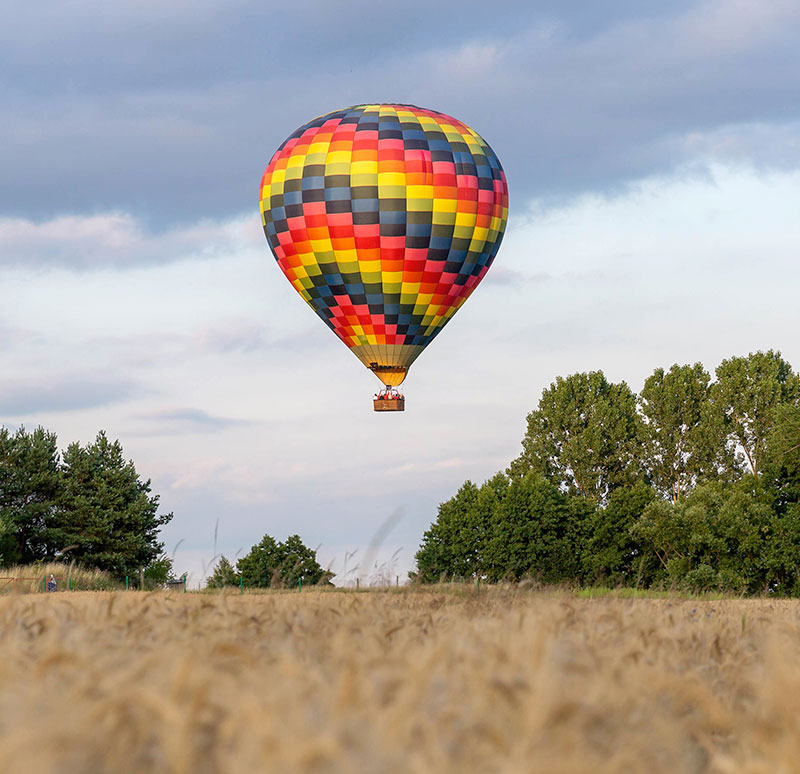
<point x="187" y="420"/>
<point x="117" y="240"/>
<point x="504" y="277"/>
<point x="66" y="392"/>
<point x="172" y="115"/>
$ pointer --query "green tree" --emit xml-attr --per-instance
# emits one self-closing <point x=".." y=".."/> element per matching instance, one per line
<point x="535" y="532"/>
<point x="269" y="563"/>
<point x="30" y="482"/>
<point x="612" y="555"/>
<point x="158" y="572"/>
<point x="711" y="539"/>
<point x="683" y="442"/>
<point x="449" y="546"/>
<point x="782" y="468"/>
<point x="583" y="436"/>
<point x="748" y="392"/>
<point x="106" y="515"/>
<point x="223" y="575"/>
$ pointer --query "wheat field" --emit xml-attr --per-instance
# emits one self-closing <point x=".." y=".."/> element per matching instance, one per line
<point x="381" y="682"/>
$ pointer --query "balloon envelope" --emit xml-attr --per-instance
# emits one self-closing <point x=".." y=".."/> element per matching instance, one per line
<point x="384" y="218"/>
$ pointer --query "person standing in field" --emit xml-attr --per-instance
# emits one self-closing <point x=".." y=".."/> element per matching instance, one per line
<point x="51" y="583"/>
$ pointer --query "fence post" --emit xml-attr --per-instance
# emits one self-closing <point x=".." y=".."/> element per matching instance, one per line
<point x="44" y="583"/>
<point x="396" y="580"/>
<point x="127" y="582"/>
<point x="241" y="584"/>
<point x="299" y="584"/>
<point x="69" y="583"/>
<point x="357" y="584"/>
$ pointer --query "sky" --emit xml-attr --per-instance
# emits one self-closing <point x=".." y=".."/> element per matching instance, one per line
<point x="653" y="158"/>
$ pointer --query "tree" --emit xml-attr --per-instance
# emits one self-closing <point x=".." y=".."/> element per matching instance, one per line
<point x="223" y="575"/>
<point x="584" y="436"/>
<point x="448" y="547"/>
<point x="782" y="467"/>
<point x="534" y="532"/>
<point x="106" y="516"/>
<point x="711" y="539"/>
<point x="682" y="442"/>
<point x="158" y="572"/>
<point x="30" y="483"/>
<point x="281" y="564"/>
<point x="613" y="555"/>
<point x="748" y="392"/>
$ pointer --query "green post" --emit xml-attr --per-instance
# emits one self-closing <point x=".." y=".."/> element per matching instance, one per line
<point x="184" y="583"/>
<point x="478" y="583"/>
<point x="127" y="582"/>
<point x="44" y="583"/>
<point x="299" y="584"/>
<point x="357" y="584"/>
<point x="241" y="584"/>
<point x="69" y="583"/>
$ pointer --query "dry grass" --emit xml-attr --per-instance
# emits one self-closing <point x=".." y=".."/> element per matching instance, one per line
<point x="388" y="682"/>
<point x="30" y="578"/>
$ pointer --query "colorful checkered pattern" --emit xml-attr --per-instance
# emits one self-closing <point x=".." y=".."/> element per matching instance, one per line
<point x="384" y="218"/>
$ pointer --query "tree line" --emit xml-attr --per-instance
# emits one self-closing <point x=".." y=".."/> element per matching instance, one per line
<point x="271" y="564"/>
<point x="88" y="505"/>
<point x="693" y="483"/>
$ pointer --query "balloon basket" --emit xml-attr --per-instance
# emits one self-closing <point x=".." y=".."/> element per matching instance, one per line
<point x="391" y="404"/>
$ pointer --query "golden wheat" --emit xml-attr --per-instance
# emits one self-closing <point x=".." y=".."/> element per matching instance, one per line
<point x="499" y="680"/>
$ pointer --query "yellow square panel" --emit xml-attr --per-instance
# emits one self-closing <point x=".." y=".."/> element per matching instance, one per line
<point x="445" y="205"/>
<point x="321" y="246"/>
<point x="391" y="179"/>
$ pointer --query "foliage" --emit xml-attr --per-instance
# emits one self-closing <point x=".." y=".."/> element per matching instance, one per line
<point x="158" y="572"/>
<point x="223" y="575"/>
<point x="30" y="483"/>
<point x="682" y="437"/>
<point x="583" y="436"/>
<point x="88" y="506"/>
<point x="612" y="555"/>
<point x="452" y="546"/>
<point x="106" y="515"/>
<point x="748" y="392"/>
<point x="272" y="564"/>
<point x="534" y="533"/>
<point x="712" y="539"/>
<point x="782" y="468"/>
<point x="643" y="491"/>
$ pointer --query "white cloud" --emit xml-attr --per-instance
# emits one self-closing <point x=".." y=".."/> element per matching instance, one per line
<point x="729" y="27"/>
<point x="115" y="240"/>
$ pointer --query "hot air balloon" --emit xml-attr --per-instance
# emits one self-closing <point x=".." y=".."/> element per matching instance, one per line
<point x="385" y="218"/>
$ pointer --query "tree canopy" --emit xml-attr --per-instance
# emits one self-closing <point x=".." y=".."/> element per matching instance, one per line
<point x="583" y="436"/>
<point x="691" y="484"/>
<point x="273" y="564"/>
<point x="89" y="505"/>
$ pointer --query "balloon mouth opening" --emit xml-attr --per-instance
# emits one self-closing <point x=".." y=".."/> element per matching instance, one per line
<point x="391" y="376"/>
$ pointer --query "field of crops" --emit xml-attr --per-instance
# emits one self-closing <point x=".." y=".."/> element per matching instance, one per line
<point x="451" y="680"/>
